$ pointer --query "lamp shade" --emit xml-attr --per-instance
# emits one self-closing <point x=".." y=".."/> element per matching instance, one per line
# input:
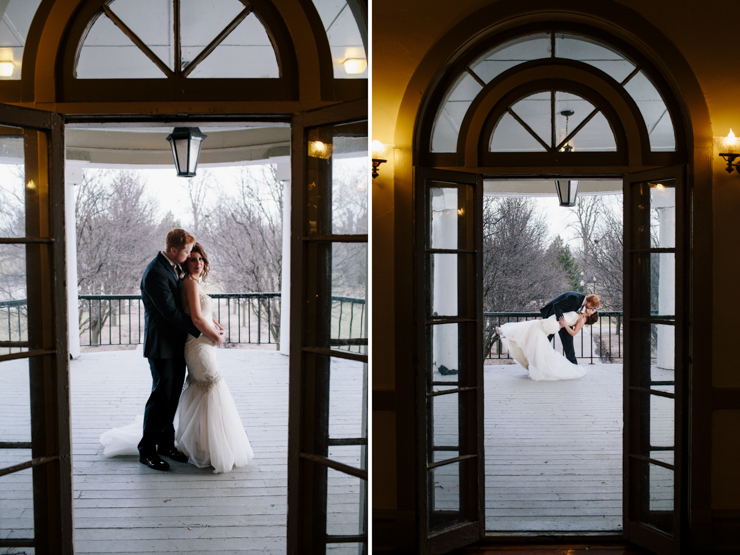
<point x="567" y="191"/>
<point x="186" y="143"/>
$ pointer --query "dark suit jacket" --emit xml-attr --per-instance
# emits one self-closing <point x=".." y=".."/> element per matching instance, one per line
<point x="166" y="326"/>
<point x="570" y="301"/>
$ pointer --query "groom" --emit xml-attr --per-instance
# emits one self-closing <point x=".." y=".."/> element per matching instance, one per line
<point x="166" y="328"/>
<point x="568" y="302"/>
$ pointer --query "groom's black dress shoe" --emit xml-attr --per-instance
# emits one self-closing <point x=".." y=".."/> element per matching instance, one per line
<point x="153" y="461"/>
<point x="174" y="454"/>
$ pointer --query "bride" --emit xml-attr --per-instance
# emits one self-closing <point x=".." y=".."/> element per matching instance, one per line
<point x="528" y="344"/>
<point x="207" y="425"/>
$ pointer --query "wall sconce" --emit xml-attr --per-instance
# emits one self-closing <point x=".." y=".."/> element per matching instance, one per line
<point x="355" y="66"/>
<point x="7" y="69"/>
<point x="730" y="147"/>
<point x="567" y="191"/>
<point x="378" y="150"/>
<point x="186" y="143"/>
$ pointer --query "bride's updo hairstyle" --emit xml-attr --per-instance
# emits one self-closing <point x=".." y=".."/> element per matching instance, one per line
<point x="197" y="248"/>
<point x="591" y="320"/>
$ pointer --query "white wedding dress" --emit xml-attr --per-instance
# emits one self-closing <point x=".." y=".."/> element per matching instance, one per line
<point x="528" y="345"/>
<point x="207" y="425"/>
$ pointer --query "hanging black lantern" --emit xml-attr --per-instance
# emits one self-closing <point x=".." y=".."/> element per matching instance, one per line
<point x="185" y="143"/>
<point x="567" y="192"/>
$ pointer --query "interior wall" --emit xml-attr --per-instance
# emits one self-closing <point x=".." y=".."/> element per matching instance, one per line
<point x="402" y="37"/>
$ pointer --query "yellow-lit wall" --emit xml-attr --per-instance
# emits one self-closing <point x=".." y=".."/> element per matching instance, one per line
<point x="702" y="31"/>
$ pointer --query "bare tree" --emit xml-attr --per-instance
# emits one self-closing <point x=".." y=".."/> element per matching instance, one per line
<point x="605" y="254"/>
<point x="244" y="235"/>
<point x="197" y="189"/>
<point x="587" y="214"/>
<point x="115" y="237"/>
<point x="520" y="272"/>
<point x="245" y="232"/>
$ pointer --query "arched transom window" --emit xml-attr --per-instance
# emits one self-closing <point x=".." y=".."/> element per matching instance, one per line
<point x="150" y="39"/>
<point x="552" y="120"/>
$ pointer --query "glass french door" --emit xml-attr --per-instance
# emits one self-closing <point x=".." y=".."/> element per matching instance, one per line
<point x="327" y="453"/>
<point x="449" y="400"/>
<point x="656" y="309"/>
<point x="35" y="440"/>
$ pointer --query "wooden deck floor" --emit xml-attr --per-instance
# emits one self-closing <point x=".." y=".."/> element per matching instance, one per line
<point x="123" y="507"/>
<point x="553" y="451"/>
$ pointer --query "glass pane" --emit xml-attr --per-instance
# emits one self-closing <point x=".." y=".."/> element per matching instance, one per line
<point x="654" y="214"/>
<point x="663" y="215"/>
<point x="510" y="136"/>
<point x="151" y="21"/>
<point x="443" y="290"/>
<point x="449" y="118"/>
<point x="201" y="21"/>
<point x="662" y="355"/>
<point x="596" y="135"/>
<point x="13" y="295"/>
<point x="346" y="379"/>
<point x="443" y="210"/>
<point x="535" y="111"/>
<point x="345" y="39"/>
<point x="343" y="499"/>
<point x="348" y="293"/>
<point x="246" y="53"/>
<point x="344" y="548"/>
<point x="446" y="483"/>
<point x="510" y="54"/>
<point x="452" y="217"/>
<point x="338" y="180"/>
<point x="575" y="108"/>
<point x="449" y="503"/>
<point x="653" y="109"/>
<point x="349" y="184"/>
<point x="14" y="25"/>
<point x="108" y="53"/>
<point x="595" y="54"/>
<point x="662" y="421"/>
<point x="654" y="279"/>
<point x="16" y="499"/>
<point x="661" y="492"/>
<point x="445" y="359"/>
<point x="15" y="422"/>
<point x="445" y="423"/>
<point x="656" y="503"/>
<point x="12" y="186"/>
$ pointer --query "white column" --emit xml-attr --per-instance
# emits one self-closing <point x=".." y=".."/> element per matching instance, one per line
<point x="283" y="174"/>
<point x="72" y="176"/>
<point x="444" y="290"/>
<point x="665" y="201"/>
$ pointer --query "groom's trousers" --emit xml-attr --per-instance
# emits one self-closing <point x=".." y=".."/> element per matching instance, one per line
<point x="567" y="340"/>
<point x="168" y="376"/>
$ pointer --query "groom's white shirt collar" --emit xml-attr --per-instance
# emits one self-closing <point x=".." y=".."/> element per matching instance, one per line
<point x="175" y="267"/>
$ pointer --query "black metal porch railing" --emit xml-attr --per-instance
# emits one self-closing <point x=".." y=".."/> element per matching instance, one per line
<point x="606" y="335"/>
<point x="248" y="318"/>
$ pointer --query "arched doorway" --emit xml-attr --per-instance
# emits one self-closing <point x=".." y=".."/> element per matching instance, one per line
<point x="123" y="61"/>
<point x="499" y="109"/>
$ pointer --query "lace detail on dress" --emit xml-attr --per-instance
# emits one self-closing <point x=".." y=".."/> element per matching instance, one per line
<point x="206" y="383"/>
<point x="200" y="353"/>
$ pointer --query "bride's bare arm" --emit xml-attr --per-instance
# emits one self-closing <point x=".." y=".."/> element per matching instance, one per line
<point x="190" y="287"/>
<point x="579" y="324"/>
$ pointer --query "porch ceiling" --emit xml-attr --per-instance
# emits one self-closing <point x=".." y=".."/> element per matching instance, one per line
<point x="146" y="144"/>
<point x="546" y="187"/>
